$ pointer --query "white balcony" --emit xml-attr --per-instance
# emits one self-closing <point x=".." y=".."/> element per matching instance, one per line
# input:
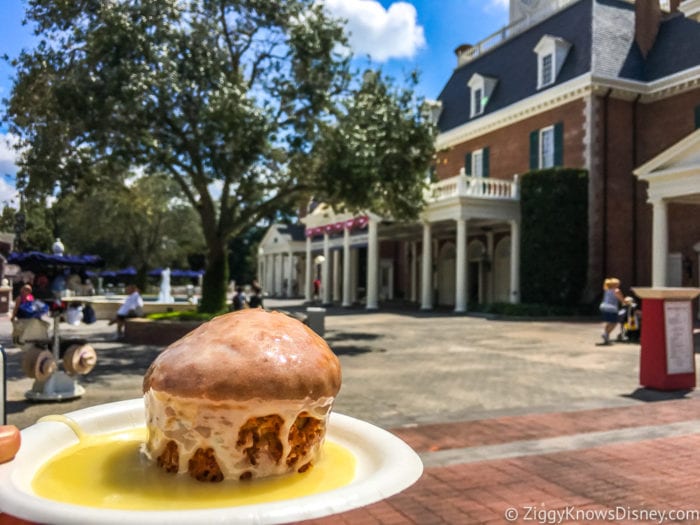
<point x="474" y="187"/>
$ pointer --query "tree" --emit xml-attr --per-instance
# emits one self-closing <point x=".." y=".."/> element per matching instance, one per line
<point x="233" y="99"/>
<point x="144" y="223"/>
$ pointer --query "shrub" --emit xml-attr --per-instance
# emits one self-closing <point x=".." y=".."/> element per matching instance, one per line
<point x="554" y="240"/>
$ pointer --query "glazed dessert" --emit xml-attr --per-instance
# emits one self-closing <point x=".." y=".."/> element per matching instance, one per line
<point x="246" y="395"/>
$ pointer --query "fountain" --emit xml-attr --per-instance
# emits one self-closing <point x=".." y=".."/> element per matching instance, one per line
<point x="164" y="295"/>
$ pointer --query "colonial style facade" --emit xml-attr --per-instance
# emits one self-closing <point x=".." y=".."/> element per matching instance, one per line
<point x="609" y="86"/>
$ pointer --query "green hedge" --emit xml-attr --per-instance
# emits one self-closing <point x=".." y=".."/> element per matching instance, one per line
<point x="535" y="310"/>
<point x="554" y="240"/>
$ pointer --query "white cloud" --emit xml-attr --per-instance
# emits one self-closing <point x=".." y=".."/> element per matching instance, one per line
<point x="8" y="192"/>
<point x="498" y="4"/>
<point x="379" y="32"/>
<point x="7" y="154"/>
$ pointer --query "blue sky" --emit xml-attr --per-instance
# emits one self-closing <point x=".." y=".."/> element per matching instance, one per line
<point x="399" y="35"/>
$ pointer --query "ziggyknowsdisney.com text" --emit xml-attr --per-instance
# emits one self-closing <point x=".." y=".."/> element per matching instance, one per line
<point x="537" y="514"/>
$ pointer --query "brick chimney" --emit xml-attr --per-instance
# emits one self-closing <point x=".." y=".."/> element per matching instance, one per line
<point x="463" y="53"/>
<point x="647" y="16"/>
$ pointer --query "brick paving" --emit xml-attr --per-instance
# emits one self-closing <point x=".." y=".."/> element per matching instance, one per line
<point x="610" y="483"/>
<point x="528" y="418"/>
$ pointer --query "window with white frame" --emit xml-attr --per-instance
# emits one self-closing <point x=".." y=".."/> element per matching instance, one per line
<point x="547" y="147"/>
<point x="481" y="88"/>
<point x="551" y="54"/>
<point x="478" y="163"/>
<point x="478" y="107"/>
<point x="547" y="77"/>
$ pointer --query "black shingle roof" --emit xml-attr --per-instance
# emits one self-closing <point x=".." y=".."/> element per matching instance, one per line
<point x="601" y="34"/>
<point x="677" y="48"/>
<point x="296" y="231"/>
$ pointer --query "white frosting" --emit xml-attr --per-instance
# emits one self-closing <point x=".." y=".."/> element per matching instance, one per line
<point x="201" y="423"/>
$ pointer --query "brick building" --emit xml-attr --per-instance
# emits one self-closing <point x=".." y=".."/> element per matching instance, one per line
<point x="609" y="86"/>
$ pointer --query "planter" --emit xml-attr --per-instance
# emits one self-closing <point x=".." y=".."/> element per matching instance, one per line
<point x="140" y="331"/>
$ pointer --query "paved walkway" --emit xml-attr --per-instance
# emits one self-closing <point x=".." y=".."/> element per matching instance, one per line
<point x="514" y="420"/>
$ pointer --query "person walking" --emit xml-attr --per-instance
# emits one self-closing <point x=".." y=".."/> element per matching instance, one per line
<point x="239" y="301"/>
<point x="610" y="306"/>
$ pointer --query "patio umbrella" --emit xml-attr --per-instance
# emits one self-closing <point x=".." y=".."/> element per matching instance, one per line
<point x="39" y="261"/>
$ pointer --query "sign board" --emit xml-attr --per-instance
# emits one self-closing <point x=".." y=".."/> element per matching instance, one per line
<point x="678" y="322"/>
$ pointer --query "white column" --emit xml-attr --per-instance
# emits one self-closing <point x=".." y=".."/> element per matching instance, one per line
<point x="270" y="264"/>
<point x="354" y="264"/>
<point x="460" y="265"/>
<point x="278" y="274"/>
<point x="308" y="290"/>
<point x="325" y="273"/>
<point x="336" y="276"/>
<point x="261" y="270"/>
<point x="346" y="268"/>
<point x="489" y="270"/>
<point x="414" y="272"/>
<point x="514" y="262"/>
<point x="292" y="276"/>
<point x="659" y="243"/>
<point x="427" y="273"/>
<point x="372" y="265"/>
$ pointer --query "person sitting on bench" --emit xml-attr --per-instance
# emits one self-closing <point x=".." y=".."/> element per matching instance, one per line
<point x="131" y="307"/>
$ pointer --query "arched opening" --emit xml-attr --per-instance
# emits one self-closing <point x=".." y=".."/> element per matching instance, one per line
<point x="476" y="254"/>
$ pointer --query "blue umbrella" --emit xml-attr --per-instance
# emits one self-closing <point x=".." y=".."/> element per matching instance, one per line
<point x="38" y="260"/>
<point x="129" y="271"/>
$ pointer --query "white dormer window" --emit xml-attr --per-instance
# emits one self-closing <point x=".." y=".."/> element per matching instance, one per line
<point x="481" y="88"/>
<point x="432" y="109"/>
<point x="547" y="76"/>
<point x="551" y="55"/>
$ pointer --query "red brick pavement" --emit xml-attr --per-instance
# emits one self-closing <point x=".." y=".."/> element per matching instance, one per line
<point x="540" y="426"/>
<point x="628" y="481"/>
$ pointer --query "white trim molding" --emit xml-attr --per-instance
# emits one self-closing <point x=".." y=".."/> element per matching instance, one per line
<point x="570" y="91"/>
<point x="674" y="174"/>
<point x="543" y="101"/>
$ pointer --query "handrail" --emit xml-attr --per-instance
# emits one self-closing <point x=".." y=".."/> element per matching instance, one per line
<point x="470" y="186"/>
<point x="471" y="52"/>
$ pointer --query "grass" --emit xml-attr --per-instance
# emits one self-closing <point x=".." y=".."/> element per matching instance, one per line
<point x="190" y="315"/>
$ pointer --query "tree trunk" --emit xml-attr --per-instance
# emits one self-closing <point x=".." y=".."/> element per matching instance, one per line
<point x="142" y="278"/>
<point x="215" y="282"/>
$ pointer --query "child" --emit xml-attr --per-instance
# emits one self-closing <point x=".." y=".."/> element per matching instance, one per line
<point x="633" y="318"/>
<point x="609" y="306"/>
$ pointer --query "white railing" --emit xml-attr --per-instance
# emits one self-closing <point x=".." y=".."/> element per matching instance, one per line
<point x="478" y="187"/>
<point x="500" y="36"/>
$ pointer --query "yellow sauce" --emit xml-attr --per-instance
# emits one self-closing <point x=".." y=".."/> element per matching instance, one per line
<point x="108" y="471"/>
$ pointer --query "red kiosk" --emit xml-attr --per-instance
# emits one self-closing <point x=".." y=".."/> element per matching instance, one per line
<point x="667" y="360"/>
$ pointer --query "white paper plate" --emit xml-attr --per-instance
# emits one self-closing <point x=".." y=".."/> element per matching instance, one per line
<point x="385" y="465"/>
